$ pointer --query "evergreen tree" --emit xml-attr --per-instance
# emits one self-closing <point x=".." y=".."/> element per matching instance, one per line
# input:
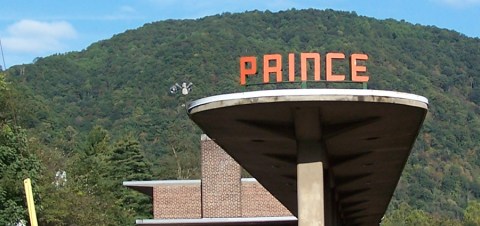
<point x="128" y="164"/>
<point x="89" y="166"/>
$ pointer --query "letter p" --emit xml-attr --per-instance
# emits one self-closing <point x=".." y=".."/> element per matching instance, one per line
<point x="248" y="66"/>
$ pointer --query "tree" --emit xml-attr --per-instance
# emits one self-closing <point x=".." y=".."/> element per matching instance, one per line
<point x="472" y="214"/>
<point x="5" y="109"/>
<point x="86" y="198"/>
<point x="16" y="164"/>
<point x="128" y="164"/>
<point x="89" y="166"/>
<point x="405" y="215"/>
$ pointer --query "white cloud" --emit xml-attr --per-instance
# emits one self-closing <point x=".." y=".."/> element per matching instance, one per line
<point x="31" y="36"/>
<point x="127" y="9"/>
<point x="460" y="3"/>
<point x="124" y="12"/>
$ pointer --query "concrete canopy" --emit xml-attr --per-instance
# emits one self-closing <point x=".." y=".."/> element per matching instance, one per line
<point x="366" y="135"/>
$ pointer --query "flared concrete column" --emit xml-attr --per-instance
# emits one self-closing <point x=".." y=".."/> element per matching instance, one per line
<point x="310" y="164"/>
<point x="310" y="193"/>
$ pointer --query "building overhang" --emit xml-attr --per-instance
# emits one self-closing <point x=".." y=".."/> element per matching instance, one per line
<point x="146" y="187"/>
<point x="367" y="135"/>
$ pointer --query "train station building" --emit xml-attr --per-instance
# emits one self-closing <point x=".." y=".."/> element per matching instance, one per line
<point x="320" y="156"/>
<point x="326" y="156"/>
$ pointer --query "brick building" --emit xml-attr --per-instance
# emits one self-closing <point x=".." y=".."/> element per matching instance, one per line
<point x="221" y="197"/>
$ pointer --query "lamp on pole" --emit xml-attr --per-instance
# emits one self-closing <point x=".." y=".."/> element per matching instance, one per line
<point x="185" y="88"/>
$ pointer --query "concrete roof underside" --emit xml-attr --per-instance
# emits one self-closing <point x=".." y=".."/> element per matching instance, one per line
<point x="367" y="136"/>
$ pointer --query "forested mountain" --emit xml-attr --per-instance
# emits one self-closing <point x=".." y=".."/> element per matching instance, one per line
<point x="105" y="112"/>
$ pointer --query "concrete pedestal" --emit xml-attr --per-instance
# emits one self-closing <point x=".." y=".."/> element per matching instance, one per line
<point x="310" y="194"/>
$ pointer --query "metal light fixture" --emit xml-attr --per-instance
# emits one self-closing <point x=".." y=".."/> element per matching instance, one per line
<point x="186" y="88"/>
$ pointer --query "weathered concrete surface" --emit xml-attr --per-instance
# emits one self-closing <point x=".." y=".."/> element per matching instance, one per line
<point x="364" y="138"/>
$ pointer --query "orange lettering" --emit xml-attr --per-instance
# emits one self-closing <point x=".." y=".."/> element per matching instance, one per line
<point x="291" y="67"/>
<point x="355" y="68"/>
<point x="267" y="69"/>
<point x="244" y="71"/>
<point x="303" y="66"/>
<point x="272" y="65"/>
<point x="329" y="68"/>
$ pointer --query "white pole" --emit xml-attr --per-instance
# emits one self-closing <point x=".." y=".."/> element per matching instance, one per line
<point x="3" y="57"/>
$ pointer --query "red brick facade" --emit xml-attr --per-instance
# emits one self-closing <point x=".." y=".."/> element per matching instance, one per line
<point x="172" y="201"/>
<point x="258" y="202"/>
<point x="220" y="194"/>
<point x="220" y="182"/>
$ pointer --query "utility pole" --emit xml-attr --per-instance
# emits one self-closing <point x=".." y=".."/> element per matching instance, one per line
<point x="185" y="89"/>
<point x="3" y="57"/>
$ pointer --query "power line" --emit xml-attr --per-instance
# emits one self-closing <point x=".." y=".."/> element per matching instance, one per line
<point x="3" y="57"/>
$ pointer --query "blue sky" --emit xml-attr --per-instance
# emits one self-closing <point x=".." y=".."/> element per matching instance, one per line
<point x="30" y="29"/>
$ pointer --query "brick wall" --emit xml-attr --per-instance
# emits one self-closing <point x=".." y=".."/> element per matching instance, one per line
<point x="220" y="182"/>
<point x="221" y="192"/>
<point x="179" y="199"/>
<point x="258" y="202"/>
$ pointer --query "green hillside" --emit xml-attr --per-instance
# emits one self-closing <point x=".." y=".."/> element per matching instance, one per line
<point x="85" y="112"/>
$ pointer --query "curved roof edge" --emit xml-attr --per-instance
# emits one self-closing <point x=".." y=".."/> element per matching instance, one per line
<point x="301" y="93"/>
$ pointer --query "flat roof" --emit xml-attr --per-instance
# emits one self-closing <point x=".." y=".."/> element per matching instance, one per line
<point x="367" y="135"/>
<point x="146" y="187"/>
